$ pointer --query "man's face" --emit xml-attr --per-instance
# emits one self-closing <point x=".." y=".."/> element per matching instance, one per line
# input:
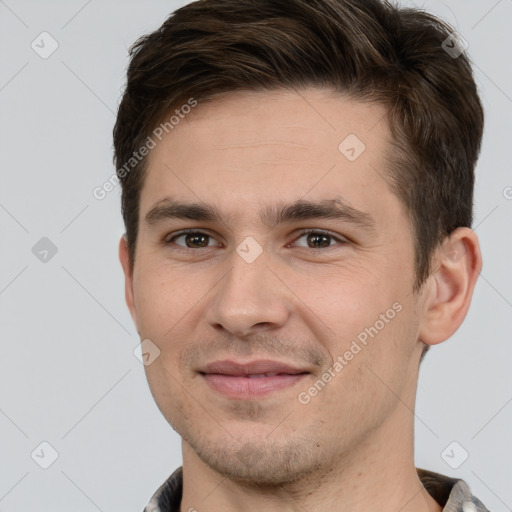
<point x="266" y="281"/>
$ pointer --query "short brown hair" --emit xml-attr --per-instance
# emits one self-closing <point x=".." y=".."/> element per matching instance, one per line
<point x="368" y="49"/>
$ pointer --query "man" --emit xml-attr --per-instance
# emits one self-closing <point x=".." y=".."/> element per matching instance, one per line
<point x="297" y="193"/>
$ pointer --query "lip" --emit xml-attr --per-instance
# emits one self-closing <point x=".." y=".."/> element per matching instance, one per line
<point x="229" y="367"/>
<point x="241" y="380"/>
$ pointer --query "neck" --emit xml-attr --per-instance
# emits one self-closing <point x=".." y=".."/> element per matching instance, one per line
<point x="378" y="474"/>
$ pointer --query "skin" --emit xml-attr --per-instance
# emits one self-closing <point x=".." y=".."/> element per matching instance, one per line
<point x="351" y="446"/>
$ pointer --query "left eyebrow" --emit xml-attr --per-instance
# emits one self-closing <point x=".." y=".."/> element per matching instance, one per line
<point x="324" y="209"/>
<point x="271" y="216"/>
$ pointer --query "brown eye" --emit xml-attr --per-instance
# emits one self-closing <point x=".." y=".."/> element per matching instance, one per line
<point x="315" y="239"/>
<point x="192" y="240"/>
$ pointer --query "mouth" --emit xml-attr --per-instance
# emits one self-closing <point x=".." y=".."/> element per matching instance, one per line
<point x="251" y="380"/>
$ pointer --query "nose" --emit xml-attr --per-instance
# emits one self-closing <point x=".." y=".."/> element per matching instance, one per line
<point x="250" y="299"/>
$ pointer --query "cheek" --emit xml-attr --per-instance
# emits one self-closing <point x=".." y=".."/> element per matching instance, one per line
<point x="161" y="301"/>
<point x="371" y="365"/>
<point x="344" y="299"/>
<point x="367" y="322"/>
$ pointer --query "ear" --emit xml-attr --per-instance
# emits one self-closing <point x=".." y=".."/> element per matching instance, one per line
<point x="124" y="257"/>
<point x="449" y="288"/>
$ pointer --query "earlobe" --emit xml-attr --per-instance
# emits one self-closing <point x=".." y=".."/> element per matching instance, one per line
<point x="124" y="258"/>
<point x="457" y="265"/>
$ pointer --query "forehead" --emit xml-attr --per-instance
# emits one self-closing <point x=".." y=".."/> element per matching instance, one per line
<point x="252" y="148"/>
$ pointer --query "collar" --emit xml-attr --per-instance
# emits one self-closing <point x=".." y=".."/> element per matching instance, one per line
<point x="451" y="493"/>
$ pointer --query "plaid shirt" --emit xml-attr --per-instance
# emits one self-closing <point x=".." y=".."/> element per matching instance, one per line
<point x="451" y="493"/>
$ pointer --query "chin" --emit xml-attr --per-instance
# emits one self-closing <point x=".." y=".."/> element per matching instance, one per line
<point x="260" y="463"/>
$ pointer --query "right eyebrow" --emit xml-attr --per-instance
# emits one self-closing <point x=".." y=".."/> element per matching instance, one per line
<point x="168" y="209"/>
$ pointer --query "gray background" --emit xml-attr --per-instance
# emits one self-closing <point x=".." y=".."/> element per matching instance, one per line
<point x="68" y="375"/>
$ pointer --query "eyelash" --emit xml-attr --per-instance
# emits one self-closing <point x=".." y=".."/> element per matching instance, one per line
<point x="168" y="241"/>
